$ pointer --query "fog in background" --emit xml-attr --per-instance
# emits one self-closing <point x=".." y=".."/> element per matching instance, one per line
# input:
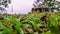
<point x="20" y="6"/>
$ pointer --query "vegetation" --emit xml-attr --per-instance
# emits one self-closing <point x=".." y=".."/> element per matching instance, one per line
<point x="32" y="23"/>
<point x="3" y="5"/>
<point x="52" y="5"/>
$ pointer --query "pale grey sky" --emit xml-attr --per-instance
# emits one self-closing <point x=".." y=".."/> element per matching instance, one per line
<point x="20" y="6"/>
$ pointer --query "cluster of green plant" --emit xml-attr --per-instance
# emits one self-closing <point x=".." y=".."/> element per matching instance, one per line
<point x="30" y="24"/>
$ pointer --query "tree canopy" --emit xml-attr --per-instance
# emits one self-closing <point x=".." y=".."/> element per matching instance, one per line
<point x="3" y="5"/>
<point x="51" y="4"/>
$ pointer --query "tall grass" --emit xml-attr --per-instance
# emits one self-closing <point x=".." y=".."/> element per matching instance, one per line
<point x="30" y="24"/>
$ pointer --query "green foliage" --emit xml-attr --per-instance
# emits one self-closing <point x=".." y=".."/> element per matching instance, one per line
<point x="30" y="24"/>
<point x="3" y="5"/>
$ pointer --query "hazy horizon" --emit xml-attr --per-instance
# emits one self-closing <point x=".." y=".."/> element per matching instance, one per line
<point x="20" y="6"/>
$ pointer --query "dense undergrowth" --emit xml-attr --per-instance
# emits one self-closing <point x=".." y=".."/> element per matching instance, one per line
<point x="33" y="23"/>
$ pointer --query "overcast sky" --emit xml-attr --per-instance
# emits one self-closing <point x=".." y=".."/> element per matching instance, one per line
<point x="21" y="6"/>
